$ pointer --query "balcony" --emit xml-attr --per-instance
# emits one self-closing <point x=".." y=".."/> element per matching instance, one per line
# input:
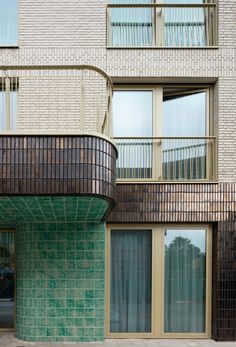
<point x="166" y="159"/>
<point x="55" y="124"/>
<point x="161" y="25"/>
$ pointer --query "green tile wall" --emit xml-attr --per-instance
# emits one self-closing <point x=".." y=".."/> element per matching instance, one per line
<point x="60" y="280"/>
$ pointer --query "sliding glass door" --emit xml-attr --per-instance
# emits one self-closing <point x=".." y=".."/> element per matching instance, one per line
<point x="7" y="271"/>
<point x="159" y="281"/>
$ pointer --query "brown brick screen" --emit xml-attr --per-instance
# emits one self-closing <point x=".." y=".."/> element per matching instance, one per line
<point x="57" y="165"/>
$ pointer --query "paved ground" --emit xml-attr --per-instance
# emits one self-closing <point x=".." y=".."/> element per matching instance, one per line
<point x="8" y="340"/>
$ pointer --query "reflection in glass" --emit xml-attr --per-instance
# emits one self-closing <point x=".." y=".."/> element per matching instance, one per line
<point x="8" y="22"/>
<point x="184" y="115"/>
<point x="13" y="110"/>
<point x="130" y="305"/>
<point x="185" y="281"/>
<point x="7" y="268"/>
<point x="132" y="117"/>
<point x="131" y="26"/>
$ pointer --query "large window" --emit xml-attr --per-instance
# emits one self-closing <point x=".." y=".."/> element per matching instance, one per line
<point x="8" y="23"/>
<point x="168" y="23"/>
<point x="163" y="133"/>
<point x="159" y="281"/>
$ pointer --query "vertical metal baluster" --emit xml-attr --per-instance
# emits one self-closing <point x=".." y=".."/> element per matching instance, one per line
<point x="82" y="120"/>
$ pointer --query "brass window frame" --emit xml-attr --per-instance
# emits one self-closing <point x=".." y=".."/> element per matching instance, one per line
<point x="157" y="17"/>
<point x="157" y="102"/>
<point x="157" y="304"/>
<point x="157" y="123"/>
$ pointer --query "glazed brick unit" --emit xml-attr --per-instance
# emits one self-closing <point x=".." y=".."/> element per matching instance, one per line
<point x="60" y="282"/>
<point x="57" y="165"/>
<point x="174" y="203"/>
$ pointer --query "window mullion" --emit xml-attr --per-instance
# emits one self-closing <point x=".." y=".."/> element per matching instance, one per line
<point x="158" y="275"/>
<point x="157" y="133"/>
<point x="7" y="102"/>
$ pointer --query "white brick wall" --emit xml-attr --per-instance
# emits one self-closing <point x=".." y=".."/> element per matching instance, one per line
<point x="52" y="100"/>
<point x="74" y="32"/>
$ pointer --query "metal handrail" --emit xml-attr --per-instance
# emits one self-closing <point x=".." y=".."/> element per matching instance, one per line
<point x="84" y="105"/>
<point x="162" y="137"/>
<point x="161" y="5"/>
<point x="166" y="158"/>
<point x="59" y="67"/>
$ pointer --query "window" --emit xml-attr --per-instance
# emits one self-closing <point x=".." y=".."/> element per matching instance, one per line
<point x="159" y="280"/>
<point x="8" y="23"/>
<point x="162" y="133"/>
<point x="7" y="279"/>
<point x="169" y="23"/>
<point x="8" y="103"/>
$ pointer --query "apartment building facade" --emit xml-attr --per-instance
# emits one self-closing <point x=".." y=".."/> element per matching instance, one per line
<point x="118" y="169"/>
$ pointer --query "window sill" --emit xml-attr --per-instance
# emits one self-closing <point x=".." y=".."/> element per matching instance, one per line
<point x="153" y="181"/>
<point x="9" y="46"/>
<point x="164" y="47"/>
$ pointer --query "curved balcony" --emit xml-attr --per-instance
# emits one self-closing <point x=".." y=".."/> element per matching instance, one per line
<point x="55" y="124"/>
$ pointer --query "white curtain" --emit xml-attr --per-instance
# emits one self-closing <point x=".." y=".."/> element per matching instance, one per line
<point x="131" y="26"/>
<point x="185" y="281"/>
<point x="185" y="26"/>
<point x="130" y="306"/>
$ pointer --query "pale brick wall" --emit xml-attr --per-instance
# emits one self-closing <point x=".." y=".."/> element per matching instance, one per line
<point x="74" y="32"/>
<point x="52" y="100"/>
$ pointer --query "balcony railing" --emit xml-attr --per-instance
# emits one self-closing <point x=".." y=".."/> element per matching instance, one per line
<point x="166" y="158"/>
<point x="161" y="25"/>
<point x="55" y="99"/>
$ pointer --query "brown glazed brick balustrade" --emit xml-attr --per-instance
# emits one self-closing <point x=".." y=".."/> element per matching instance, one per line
<point x="57" y="165"/>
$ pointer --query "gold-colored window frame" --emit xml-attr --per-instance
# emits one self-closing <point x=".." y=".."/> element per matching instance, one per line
<point x="157" y="125"/>
<point x="5" y="230"/>
<point x="157" y="315"/>
<point x="157" y="103"/>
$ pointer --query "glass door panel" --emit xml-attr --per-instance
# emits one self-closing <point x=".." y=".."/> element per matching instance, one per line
<point x="185" y="281"/>
<point x="132" y="117"/>
<point x="131" y="281"/>
<point x="7" y="270"/>
<point x="184" y="115"/>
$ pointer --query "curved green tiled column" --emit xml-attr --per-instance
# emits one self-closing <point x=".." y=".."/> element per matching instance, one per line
<point x="60" y="281"/>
